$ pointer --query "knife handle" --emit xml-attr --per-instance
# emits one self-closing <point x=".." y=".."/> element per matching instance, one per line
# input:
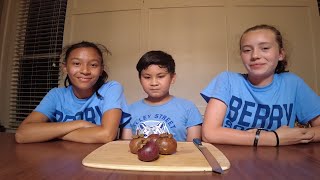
<point x="197" y="141"/>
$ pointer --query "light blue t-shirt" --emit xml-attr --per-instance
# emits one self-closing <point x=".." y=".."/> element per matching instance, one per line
<point x="286" y="99"/>
<point x="173" y="117"/>
<point x="61" y="105"/>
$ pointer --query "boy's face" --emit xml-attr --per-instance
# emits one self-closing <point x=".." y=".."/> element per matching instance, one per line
<point x="156" y="82"/>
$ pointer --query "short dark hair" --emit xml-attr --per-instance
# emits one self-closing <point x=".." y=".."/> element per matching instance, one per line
<point x="281" y="67"/>
<point x="163" y="59"/>
<point x="100" y="49"/>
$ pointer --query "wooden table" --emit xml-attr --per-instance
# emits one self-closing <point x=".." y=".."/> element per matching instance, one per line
<point x="62" y="160"/>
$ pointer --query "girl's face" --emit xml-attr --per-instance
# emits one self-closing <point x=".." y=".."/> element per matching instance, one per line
<point x="83" y="66"/>
<point x="156" y="83"/>
<point x="260" y="54"/>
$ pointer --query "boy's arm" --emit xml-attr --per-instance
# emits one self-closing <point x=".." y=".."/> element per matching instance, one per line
<point x="36" y="128"/>
<point x="126" y="133"/>
<point x="98" y="134"/>
<point x="193" y="132"/>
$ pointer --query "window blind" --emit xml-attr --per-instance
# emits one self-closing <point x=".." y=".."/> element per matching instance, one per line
<point x="38" y="46"/>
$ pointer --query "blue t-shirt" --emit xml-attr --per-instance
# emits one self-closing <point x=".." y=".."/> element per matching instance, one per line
<point x="61" y="105"/>
<point x="173" y="117"/>
<point x="286" y="99"/>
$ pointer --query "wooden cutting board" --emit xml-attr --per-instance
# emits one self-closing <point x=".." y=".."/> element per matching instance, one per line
<point x="116" y="155"/>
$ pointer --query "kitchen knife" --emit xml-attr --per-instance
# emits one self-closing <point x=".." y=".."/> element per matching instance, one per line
<point x="210" y="158"/>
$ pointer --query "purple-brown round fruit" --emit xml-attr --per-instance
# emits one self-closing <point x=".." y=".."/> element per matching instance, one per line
<point x="149" y="152"/>
<point x="135" y="143"/>
<point x="153" y="137"/>
<point x="167" y="144"/>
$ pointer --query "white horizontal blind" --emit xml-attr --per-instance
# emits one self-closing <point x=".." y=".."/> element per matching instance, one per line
<point x="36" y="63"/>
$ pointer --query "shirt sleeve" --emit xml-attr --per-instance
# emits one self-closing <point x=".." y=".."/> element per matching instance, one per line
<point x="47" y="106"/>
<point x="114" y="99"/>
<point x="218" y="88"/>
<point x="194" y="116"/>
<point x="308" y="102"/>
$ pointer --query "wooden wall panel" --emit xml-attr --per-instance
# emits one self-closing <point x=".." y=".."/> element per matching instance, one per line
<point x="96" y="6"/>
<point x="187" y="34"/>
<point x="119" y="31"/>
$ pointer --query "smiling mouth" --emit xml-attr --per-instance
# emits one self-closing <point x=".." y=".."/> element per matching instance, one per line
<point x="256" y="65"/>
<point x="84" y="79"/>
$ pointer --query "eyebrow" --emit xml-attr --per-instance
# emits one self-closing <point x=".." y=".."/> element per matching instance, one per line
<point x="262" y="43"/>
<point x="265" y="43"/>
<point x="162" y="73"/>
<point x="76" y="58"/>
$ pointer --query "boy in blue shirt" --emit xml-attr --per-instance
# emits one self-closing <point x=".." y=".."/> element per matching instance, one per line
<point x="161" y="112"/>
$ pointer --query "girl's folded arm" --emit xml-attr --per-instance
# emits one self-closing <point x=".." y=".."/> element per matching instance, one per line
<point x="103" y="133"/>
<point x="36" y="128"/>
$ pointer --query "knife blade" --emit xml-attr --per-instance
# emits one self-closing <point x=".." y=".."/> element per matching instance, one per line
<point x="210" y="158"/>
